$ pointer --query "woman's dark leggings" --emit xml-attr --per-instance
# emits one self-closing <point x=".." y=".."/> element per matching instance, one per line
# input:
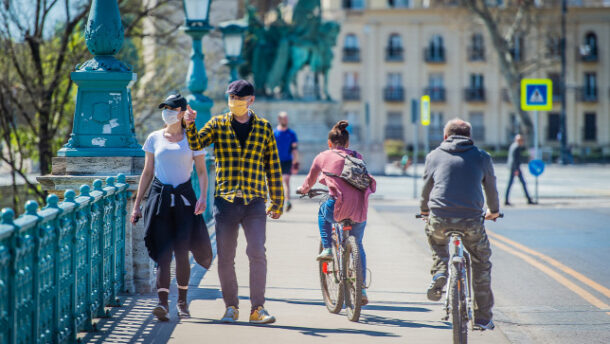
<point x="183" y="273"/>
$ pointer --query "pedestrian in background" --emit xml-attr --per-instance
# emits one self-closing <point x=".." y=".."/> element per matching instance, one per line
<point x="514" y="165"/>
<point x="247" y="169"/>
<point x="172" y="214"/>
<point x="287" y="147"/>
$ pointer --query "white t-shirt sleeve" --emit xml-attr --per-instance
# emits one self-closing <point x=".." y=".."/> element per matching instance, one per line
<point x="199" y="152"/>
<point x="149" y="144"/>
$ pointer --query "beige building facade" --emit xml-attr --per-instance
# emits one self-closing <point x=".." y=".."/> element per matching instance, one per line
<point x="390" y="52"/>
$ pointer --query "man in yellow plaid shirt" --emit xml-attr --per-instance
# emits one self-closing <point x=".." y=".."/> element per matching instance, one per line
<point x="247" y="169"/>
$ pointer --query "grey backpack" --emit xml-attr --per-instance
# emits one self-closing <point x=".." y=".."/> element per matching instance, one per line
<point x="354" y="172"/>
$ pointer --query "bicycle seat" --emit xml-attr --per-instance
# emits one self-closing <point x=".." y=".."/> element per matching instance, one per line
<point x="346" y="224"/>
<point x="450" y="233"/>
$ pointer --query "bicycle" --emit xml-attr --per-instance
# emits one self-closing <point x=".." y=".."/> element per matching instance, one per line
<point x="458" y="297"/>
<point x="341" y="278"/>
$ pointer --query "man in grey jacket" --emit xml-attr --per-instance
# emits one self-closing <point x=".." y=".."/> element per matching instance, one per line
<point x="514" y="164"/>
<point x="453" y="198"/>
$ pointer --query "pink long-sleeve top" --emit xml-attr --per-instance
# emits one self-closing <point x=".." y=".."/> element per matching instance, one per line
<point x="350" y="203"/>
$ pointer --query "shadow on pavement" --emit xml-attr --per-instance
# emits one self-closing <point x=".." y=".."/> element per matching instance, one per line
<point x="393" y="322"/>
<point x="375" y="307"/>
<point x="307" y="331"/>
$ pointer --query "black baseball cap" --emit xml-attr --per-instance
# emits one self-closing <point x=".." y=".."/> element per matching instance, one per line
<point x="174" y="101"/>
<point x="240" y="88"/>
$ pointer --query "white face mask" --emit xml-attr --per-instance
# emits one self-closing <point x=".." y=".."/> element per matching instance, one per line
<point x="170" y="116"/>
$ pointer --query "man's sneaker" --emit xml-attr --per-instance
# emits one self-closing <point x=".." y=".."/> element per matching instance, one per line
<point x="288" y="206"/>
<point x="435" y="290"/>
<point x="183" y="310"/>
<point x="365" y="298"/>
<point x="260" y="316"/>
<point x="231" y="315"/>
<point x="483" y="324"/>
<point x="326" y="254"/>
<point x="161" y="312"/>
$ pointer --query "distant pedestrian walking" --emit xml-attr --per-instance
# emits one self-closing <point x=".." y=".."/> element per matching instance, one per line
<point x="514" y="165"/>
<point x="287" y="145"/>
<point x="172" y="214"/>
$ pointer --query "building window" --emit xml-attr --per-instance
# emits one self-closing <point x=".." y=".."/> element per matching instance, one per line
<point x="517" y="51"/>
<point x="588" y="51"/>
<point x="553" y="46"/>
<point x="552" y="129"/>
<point x="437" y="126"/>
<point x="588" y="93"/>
<point x="351" y="48"/>
<point x="393" y="127"/>
<point x="398" y="3"/>
<point x="590" y="129"/>
<point x="353" y="4"/>
<point x="394" y="49"/>
<point x="475" y="92"/>
<point x="351" y="89"/>
<point x="478" y="126"/>
<point x="435" y="52"/>
<point x="476" y="51"/>
<point x="436" y="88"/>
<point x="394" y="90"/>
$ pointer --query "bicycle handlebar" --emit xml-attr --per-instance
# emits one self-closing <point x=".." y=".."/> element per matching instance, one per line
<point x="314" y="192"/>
<point x="420" y="216"/>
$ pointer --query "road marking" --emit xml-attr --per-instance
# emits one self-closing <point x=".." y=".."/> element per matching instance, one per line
<point x="584" y="279"/>
<point x="556" y="276"/>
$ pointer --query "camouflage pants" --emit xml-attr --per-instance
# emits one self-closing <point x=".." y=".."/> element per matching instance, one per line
<point x="476" y="242"/>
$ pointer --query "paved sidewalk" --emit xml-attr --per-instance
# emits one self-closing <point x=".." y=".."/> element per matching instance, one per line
<point x="399" y="311"/>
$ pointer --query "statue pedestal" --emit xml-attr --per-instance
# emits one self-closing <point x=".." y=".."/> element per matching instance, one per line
<point x="312" y="120"/>
<point x="72" y="172"/>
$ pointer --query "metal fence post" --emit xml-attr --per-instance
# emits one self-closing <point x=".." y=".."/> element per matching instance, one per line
<point x="8" y="232"/>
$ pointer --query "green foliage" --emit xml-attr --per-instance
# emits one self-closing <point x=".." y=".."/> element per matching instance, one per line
<point x="394" y="149"/>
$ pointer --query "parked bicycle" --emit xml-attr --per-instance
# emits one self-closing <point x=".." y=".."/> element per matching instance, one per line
<point x="458" y="297"/>
<point x="341" y="278"/>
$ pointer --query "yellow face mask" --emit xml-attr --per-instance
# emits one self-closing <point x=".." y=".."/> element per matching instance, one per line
<point x="238" y="107"/>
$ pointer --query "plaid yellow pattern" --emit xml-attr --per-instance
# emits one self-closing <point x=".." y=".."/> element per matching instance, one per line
<point x="239" y="168"/>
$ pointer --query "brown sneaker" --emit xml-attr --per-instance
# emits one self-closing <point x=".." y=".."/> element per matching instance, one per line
<point x="183" y="310"/>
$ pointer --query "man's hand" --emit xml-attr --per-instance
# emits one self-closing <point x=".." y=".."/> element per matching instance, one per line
<point x="516" y="173"/>
<point x="200" y="206"/>
<point x="274" y="215"/>
<point x="300" y="191"/>
<point x="190" y="115"/>
<point x="491" y="216"/>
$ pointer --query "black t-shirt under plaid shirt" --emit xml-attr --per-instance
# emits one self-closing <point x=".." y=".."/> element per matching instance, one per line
<point x="253" y="169"/>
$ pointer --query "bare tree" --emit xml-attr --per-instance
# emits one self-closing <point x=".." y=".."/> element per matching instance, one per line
<point x="508" y="23"/>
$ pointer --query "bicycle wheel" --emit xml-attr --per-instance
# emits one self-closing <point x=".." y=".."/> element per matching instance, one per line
<point x="330" y="281"/>
<point x="353" y="285"/>
<point x="458" y="308"/>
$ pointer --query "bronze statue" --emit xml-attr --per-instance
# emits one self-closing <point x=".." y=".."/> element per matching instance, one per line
<point x="276" y="54"/>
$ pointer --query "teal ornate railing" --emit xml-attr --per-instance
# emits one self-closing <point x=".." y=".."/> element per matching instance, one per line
<point x="61" y="265"/>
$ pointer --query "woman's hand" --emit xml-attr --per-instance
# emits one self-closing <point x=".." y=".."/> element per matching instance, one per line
<point x="190" y="115"/>
<point x="136" y="214"/>
<point x="201" y="205"/>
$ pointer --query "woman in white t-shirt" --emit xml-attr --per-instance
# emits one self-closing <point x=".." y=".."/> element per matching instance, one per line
<point x="172" y="213"/>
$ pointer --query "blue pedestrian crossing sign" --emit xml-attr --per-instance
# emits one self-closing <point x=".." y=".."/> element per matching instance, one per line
<point x="536" y="94"/>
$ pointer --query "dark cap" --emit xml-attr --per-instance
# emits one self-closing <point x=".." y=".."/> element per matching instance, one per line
<point x="174" y="101"/>
<point x="240" y="88"/>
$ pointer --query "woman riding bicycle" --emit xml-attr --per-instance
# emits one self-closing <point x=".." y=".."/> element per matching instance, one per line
<point x="346" y="201"/>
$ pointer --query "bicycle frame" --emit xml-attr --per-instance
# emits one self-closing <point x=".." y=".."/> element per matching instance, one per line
<point x="460" y="258"/>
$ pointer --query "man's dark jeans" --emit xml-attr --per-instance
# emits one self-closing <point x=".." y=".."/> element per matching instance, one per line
<point x="253" y="219"/>
<point x="510" y="183"/>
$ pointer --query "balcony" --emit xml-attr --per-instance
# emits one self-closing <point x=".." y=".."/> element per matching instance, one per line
<point x="474" y="94"/>
<point x="437" y="94"/>
<point x="434" y="55"/>
<point x="476" y="54"/>
<point x="351" y="55"/>
<point x="586" y="94"/>
<point x="394" y="54"/>
<point x="586" y="54"/>
<point x="351" y="93"/>
<point x="394" y="132"/>
<point x="394" y="94"/>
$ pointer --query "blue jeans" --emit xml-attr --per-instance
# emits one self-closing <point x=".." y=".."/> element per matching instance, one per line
<point x="326" y="220"/>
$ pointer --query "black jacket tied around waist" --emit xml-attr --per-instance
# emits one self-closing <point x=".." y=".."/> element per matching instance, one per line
<point x="170" y="227"/>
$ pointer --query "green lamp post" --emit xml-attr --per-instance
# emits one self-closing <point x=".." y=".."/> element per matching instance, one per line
<point x="197" y="25"/>
<point x="103" y="118"/>
<point x="233" y="40"/>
